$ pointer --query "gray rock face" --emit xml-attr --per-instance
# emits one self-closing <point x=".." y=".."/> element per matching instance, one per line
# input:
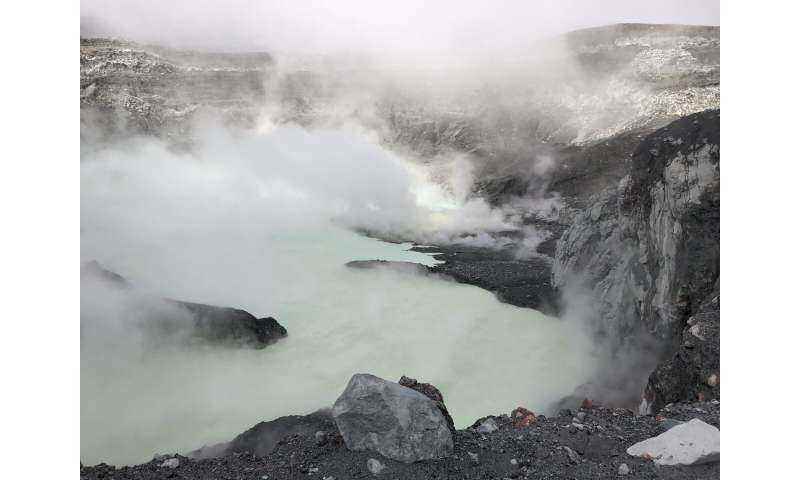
<point x="691" y="443"/>
<point x="633" y="244"/>
<point x="132" y="88"/>
<point x="646" y="253"/>
<point x="643" y="75"/>
<point x="395" y="421"/>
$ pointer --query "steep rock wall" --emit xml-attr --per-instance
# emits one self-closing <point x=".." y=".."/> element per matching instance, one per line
<point x="646" y="254"/>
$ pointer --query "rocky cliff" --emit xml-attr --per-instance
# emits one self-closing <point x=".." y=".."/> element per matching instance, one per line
<point x="646" y="252"/>
<point x="131" y="89"/>
<point x="593" y="84"/>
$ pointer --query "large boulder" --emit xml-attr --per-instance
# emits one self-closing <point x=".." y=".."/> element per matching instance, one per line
<point x="690" y="443"/>
<point x="395" y="421"/>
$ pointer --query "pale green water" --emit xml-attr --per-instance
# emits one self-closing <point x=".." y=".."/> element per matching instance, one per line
<point x="175" y="235"/>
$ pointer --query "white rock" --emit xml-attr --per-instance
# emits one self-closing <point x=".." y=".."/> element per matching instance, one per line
<point x="488" y="426"/>
<point x="624" y="469"/>
<point x="171" y="463"/>
<point x="375" y="466"/>
<point x="690" y="443"/>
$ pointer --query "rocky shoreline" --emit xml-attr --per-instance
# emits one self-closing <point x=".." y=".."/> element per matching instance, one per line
<point x="589" y="442"/>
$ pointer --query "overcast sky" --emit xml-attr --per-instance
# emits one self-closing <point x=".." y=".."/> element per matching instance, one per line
<point x="364" y="25"/>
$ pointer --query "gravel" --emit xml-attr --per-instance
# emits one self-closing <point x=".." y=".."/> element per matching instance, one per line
<point x="540" y="450"/>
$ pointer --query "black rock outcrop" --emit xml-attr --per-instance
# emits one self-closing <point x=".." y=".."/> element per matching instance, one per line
<point x="520" y="282"/>
<point x="210" y="324"/>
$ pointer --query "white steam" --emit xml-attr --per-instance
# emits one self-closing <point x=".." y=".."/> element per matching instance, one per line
<point x="412" y="26"/>
<point x="287" y="179"/>
<point x="247" y="223"/>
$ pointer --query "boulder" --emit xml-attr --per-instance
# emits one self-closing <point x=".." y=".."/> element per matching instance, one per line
<point x="374" y="466"/>
<point x="690" y="443"/>
<point x="395" y="421"/>
<point x="522" y="417"/>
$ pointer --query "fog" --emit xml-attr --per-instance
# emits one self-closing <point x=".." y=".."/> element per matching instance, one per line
<point x="264" y="222"/>
<point x="288" y="179"/>
<point x="414" y="26"/>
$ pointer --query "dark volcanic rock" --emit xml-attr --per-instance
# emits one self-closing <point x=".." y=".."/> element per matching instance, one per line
<point x="262" y="438"/>
<point x="539" y="451"/>
<point x="231" y="326"/>
<point x="431" y="392"/>
<point x="400" y="423"/>
<point x="215" y="325"/>
<point x="523" y="283"/>
<point x="692" y="372"/>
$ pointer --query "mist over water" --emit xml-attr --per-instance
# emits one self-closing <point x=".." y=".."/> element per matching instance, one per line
<point x="263" y="223"/>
